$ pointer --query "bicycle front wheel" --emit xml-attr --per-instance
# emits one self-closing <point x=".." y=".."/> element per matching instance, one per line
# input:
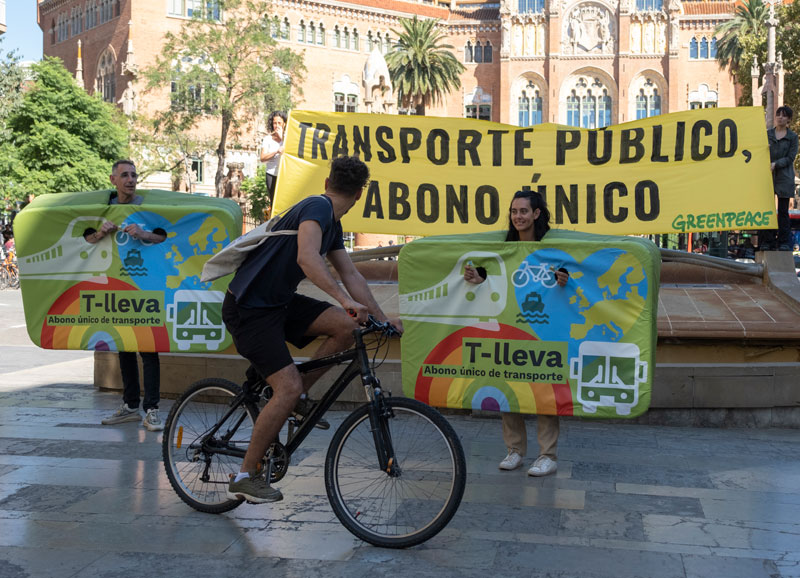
<point x="412" y="505"/>
<point x="196" y="468"/>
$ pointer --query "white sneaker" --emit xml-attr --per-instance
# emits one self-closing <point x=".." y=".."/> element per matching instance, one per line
<point x="123" y="414"/>
<point x="543" y="466"/>
<point x="152" y="421"/>
<point x="511" y="462"/>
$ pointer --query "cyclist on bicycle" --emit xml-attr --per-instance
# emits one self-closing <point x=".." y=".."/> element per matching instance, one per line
<point x="262" y="309"/>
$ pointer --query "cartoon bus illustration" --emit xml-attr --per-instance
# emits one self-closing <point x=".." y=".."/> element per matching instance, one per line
<point x="608" y="375"/>
<point x="72" y="256"/>
<point x="454" y="301"/>
<point x="196" y="317"/>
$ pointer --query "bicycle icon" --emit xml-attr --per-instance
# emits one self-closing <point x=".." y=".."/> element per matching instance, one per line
<point x="527" y="273"/>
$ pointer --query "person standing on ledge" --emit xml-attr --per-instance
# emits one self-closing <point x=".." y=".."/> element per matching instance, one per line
<point x="782" y="152"/>
<point x="124" y="178"/>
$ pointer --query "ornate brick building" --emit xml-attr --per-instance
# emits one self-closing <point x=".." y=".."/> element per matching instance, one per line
<point x="585" y="63"/>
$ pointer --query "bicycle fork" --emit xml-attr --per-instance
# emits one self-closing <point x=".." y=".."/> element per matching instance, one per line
<point x="379" y="416"/>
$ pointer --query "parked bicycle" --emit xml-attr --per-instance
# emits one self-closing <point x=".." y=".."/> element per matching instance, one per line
<point x="394" y="472"/>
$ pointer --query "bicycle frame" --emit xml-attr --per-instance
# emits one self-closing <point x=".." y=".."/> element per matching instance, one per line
<point x="359" y="364"/>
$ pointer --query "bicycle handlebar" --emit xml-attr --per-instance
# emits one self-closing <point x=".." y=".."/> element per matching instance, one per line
<point x="373" y="325"/>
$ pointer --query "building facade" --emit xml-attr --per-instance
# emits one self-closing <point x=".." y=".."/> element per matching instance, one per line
<point x="587" y="63"/>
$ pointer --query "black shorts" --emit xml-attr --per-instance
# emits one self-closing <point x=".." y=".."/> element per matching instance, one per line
<point x="260" y="335"/>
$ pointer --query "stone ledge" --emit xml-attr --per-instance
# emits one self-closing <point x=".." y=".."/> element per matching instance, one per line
<point x="714" y="394"/>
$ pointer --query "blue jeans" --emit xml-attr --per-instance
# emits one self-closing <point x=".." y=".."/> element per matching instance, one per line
<point x="130" y="379"/>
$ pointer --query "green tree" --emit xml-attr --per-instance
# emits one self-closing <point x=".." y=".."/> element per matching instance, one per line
<point x="738" y="37"/>
<point x="12" y="77"/>
<point x="62" y="139"/>
<point x="423" y="69"/>
<point x="224" y="64"/>
<point x="256" y="190"/>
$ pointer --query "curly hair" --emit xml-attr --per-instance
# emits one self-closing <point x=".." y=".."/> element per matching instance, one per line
<point x="272" y="116"/>
<point x="349" y="175"/>
<point x="540" y="226"/>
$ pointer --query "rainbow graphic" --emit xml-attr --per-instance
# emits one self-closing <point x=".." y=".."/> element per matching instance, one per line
<point x="474" y="393"/>
<point x="99" y="338"/>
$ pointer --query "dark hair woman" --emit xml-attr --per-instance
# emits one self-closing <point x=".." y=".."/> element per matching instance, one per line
<point x="528" y="220"/>
<point x="782" y="152"/>
<point x="272" y="148"/>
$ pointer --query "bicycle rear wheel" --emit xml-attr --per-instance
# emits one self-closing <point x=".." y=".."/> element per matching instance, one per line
<point x="199" y="474"/>
<point x="401" y="510"/>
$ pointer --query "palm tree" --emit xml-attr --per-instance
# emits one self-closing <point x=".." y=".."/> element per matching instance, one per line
<point x="749" y="22"/>
<point x="423" y="69"/>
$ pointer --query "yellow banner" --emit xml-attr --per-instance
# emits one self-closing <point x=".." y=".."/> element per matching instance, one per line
<point x="700" y="170"/>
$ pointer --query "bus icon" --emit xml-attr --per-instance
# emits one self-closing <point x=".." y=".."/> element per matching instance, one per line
<point x="196" y="317"/>
<point x="608" y="375"/>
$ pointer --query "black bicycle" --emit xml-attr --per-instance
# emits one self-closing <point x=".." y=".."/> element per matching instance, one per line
<point x="394" y="472"/>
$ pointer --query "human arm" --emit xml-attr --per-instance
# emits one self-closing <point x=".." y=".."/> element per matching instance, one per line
<point x="357" y="286"/>
<point x="787" y="160"/>
<point x="562" y="276"/>
<point x="474" y="275"/>
<point x="96" y="235"/>
<point x="135" y="231"/>
<point x="271" y="147"/>
<point x="309" y="242"/>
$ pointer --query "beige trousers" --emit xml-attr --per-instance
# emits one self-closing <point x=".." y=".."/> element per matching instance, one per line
<point x="516" y="438"/>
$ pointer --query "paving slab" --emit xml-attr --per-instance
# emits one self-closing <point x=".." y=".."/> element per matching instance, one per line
<point x="78" y="499"/>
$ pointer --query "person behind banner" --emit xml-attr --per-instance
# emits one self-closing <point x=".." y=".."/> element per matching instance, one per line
<point x="262" y="310"/>
<point x="124" y="178"/>
<point x="272" y="149"/>
<point x="783" y="143"/>
<point x="528" y="220"/>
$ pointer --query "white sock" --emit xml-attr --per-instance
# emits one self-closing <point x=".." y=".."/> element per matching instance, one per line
<point x="240" y="476"/>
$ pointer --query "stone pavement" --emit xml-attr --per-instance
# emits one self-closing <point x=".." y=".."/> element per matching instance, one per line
<point x="81" y="499"/>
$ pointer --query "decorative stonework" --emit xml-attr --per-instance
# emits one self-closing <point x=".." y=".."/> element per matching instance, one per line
<point x="588" y="29"/>
<point x="648" y="33"/>
<point x="528" y="35"/>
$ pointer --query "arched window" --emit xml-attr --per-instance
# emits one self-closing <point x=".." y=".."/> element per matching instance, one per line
<point x="387" y="44"/>
<point x="704" y="48"/>
<point x="312" y="33"/>
<point x="641" y="105"/>
<point x="301" y="32"/>
<point x="487" y="52"/>
<point x="379" y="42"/>
<point x="337" y="38"/>
<point x="589" y="111"/>
<point x="573" y="109"/>
<point x="655" y="103"/>
<point x="346" y="38"/>
<point x="524" y="109"/>
<point x="285" y="27"/>
<point x="468" y="52"/>
<point x="589" y="103"/>
<point x="478" y="52"/>
<point x="713" y="52"/>
<point x="648" y="98"/>
<point x="53" y="32"/>
<point x="355" y="40"/>
<point x="321" y="34"/>
<point x="274" y="27"/>
<point x="106" y="81"/>
<point x="530" y="106"/>
<point x="693" y="49"/>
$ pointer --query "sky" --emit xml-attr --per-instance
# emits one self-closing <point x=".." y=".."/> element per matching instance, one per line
<point x="23" y="33"/>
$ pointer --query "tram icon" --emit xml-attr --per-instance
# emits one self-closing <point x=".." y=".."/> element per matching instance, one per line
<point x="608" y="375"/>
<point x="72" y="256"/>
<point x="455" y="301"/>
<point x="196" y="317"/>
